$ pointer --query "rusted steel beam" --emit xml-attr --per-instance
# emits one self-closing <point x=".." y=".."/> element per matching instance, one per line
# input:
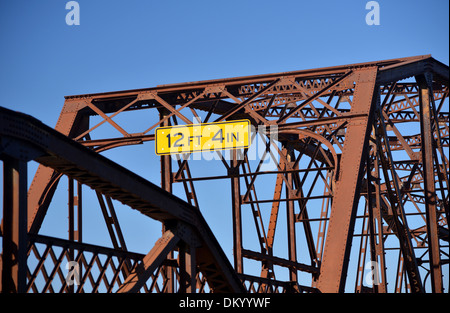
<point x="236" y="212"/>
<point x="151" y="261"/>
<point x="335" y="258"/>
<point x="247" y="80"/>
<point x="14" y="230"/>
<point x="429" y="181"/>
<point x="290" y="214"/>
<point x="166" y="184"/>
<point x="376" y="216"/>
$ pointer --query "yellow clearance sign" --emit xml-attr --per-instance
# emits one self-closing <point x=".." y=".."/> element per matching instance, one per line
<point x="202" y="137"/>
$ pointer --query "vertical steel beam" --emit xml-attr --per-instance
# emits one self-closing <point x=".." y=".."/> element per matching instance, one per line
<point x="166" y="184"/>
<point x="14" y="255"/>
<point x="191" y="269"/>
<point x="236" y="211"/>
<point x="336" y="254"/>
<point x="375" y="225"/>
<point x="290" y="214"/>
<point x="74" y="218"/>
<point x="188" y="268"/>
<point x="429" y="180"/>
<point x="71" y="213"/>
<point x="182" y="267"/>
<point x="79" y="204"/>
<point x="359" y="285"/>
<point x="378" y="223"/>
<point x="75" y="211"/>
<point x="166" y="163"/>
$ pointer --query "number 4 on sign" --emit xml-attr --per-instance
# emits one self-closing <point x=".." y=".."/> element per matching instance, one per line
<point x="218" y="136"/>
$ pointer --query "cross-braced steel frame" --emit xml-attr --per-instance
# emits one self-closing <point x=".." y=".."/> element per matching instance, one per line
<point x="358" y="188"/>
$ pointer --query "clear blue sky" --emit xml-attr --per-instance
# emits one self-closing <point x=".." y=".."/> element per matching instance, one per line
<point x="135" y="44"/>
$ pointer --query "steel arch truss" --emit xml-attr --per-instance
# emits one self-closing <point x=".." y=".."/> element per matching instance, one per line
<point x="358" y="176"/>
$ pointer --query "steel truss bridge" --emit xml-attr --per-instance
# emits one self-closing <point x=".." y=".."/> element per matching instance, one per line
<point x="361" y="173"/>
